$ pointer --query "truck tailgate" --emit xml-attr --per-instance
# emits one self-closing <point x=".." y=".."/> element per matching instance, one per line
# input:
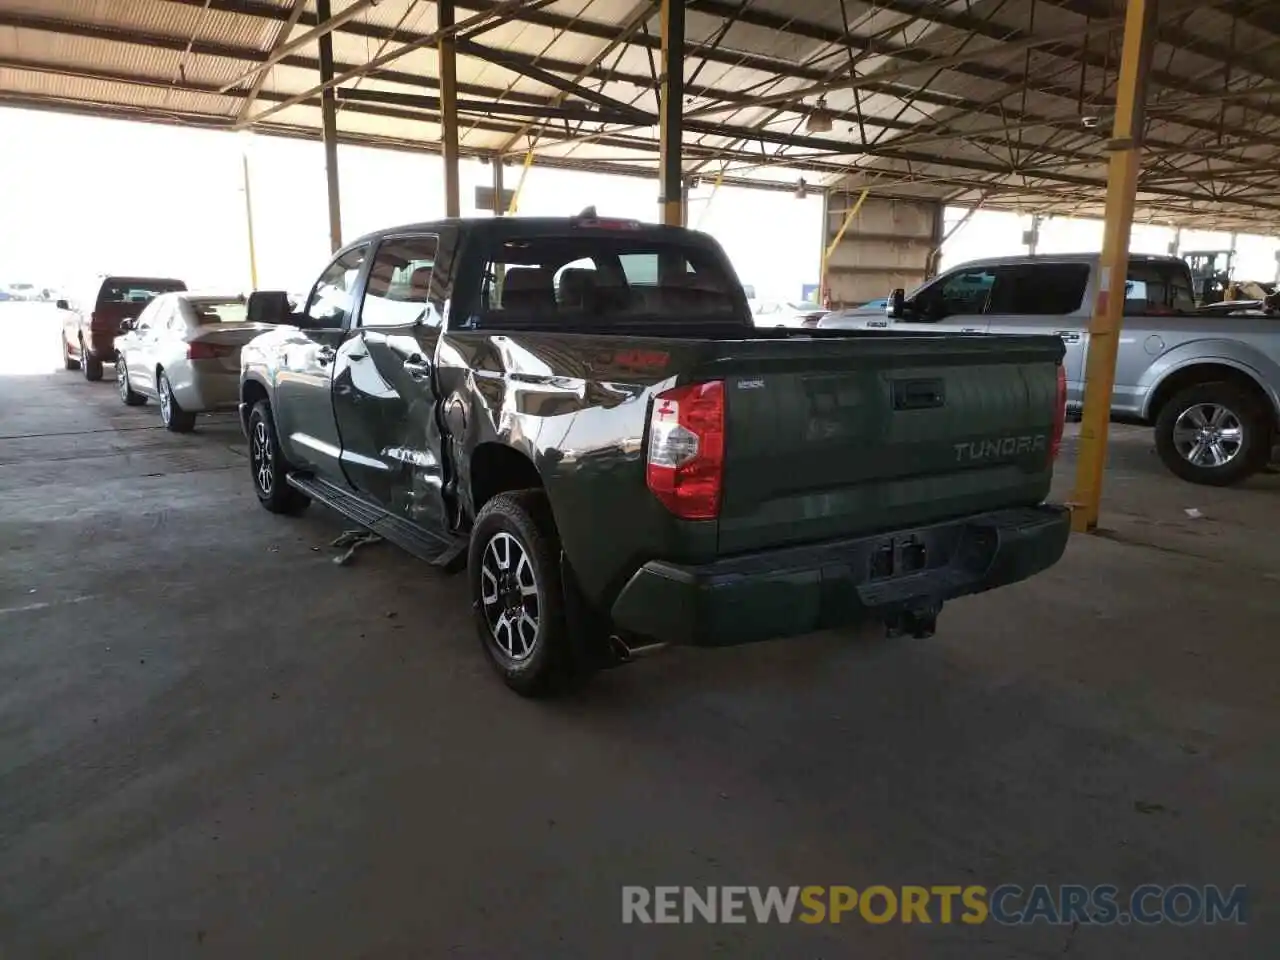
<point x="827" y="438"/>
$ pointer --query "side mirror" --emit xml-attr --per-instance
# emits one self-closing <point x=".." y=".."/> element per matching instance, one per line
<point x="127" y="325"/>
<point x="268" y="306"/>
<point x="62" y="305"/>
<point x="897" y="303"/>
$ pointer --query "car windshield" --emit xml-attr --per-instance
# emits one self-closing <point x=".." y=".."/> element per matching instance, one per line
<point x="206" y="312"/>
<point x="136" y="289"/>
<point x="593" y="280"/>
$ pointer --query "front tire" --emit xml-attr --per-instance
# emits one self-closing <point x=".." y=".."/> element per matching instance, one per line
<point x="68" y="361"/>
<point x="513" y="566"/>
<point x="174" y="418"/>
<point x="1214" y="434"/>
<point x="268" y="466"/>
<point x="127" y="394"/>
<point x="91" y="365"/>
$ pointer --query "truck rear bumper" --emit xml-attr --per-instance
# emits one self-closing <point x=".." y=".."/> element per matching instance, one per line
<point x="797" y="590"/>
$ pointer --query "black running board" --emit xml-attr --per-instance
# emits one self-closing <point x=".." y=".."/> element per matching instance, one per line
<point x="442" y="551"/>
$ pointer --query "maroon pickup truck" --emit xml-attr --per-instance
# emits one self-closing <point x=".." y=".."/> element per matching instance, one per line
<point x="90" y="325"/>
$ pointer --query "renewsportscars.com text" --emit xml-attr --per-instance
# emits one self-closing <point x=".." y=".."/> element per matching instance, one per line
<point x="1010" y="904"/>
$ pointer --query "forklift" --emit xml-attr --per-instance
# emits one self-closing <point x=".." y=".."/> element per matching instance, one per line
<point x="1210" y="274"/>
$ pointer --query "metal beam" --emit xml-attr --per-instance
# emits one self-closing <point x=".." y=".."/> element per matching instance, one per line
<point x="578" y="112"/>
<point x="282" y="37"/>
<point x="766" y="20"/>
<point x="501" y="58"/>
<point x="502" y="9"/>
<point x="321" y="32"/>
<point x="671" y="115"/>
<point x="251" y="8"/>
<point x="1108" y="314"/>
<point x="449" y="107"/>
<point x="329" y="131"/>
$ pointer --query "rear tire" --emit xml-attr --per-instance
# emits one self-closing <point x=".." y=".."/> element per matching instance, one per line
<point x="268" y="467"/>
<point x="513" y="567"/>
<point x="174" y="418"/>
<point x="91" y="365"/>
<point x="1214" y="434"/>
<point x="127" y="394"/>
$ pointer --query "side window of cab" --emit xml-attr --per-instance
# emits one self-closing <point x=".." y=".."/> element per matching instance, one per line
<point x="964" y="291"/>
<point x="333" y="296"/>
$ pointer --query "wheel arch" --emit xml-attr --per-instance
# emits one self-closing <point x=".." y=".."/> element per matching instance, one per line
<point x="252" y="390"/>
<point x="495" y="468"/>
<point x="1211" y="370"/>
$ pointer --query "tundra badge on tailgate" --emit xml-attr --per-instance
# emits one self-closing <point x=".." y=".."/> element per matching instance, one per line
<point x="977" y="451"/>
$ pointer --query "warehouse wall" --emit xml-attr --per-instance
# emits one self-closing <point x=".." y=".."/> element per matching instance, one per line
<point x="889" y="244"/>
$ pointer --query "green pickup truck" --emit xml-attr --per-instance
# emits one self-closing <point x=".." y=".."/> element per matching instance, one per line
<point x="581" y="412"/>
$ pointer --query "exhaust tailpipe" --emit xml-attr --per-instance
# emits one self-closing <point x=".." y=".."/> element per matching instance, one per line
<point x="625" y="653"/>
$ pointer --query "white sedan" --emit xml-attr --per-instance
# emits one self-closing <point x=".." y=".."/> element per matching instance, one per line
<point x="184" y="351"/>
<point x="784" y="313"/>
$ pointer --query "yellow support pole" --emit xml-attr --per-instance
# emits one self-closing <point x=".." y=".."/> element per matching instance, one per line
<point x="1108" y="313"/>
<point x="711" y="196"/>
<point x="449" y="109"/>
<point x="515" y="194"/>
<point x="248" y="219"/>
<point x="830" y="248"/>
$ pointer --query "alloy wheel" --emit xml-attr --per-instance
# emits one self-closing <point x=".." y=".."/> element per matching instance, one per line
<point x="1208" y="435"/>
<point x="122" y="380"/>
<point x="166" y="399"/>
<point x="263" y="458"/>
<point x="509" y="596"/>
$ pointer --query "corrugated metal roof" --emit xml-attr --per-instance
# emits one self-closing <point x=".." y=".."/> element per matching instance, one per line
<point x="1006" y="101"/>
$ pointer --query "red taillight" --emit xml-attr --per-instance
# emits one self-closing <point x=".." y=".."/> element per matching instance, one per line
<point x="610" y="224"/>
<point x="685" y="464"/>
<point x="1059" y="415"/>
<point x="207" y="351"/>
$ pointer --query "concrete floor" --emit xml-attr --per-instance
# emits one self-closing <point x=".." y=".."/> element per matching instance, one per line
<point x="215" y="742"/>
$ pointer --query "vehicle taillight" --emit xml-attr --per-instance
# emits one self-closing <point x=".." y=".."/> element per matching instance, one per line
<point x="685" y="465"/>
<point x="1059" y="415"/>
<point x="207" y="351"/>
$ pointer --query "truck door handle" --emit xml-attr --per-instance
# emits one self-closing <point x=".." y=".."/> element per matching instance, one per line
<point x="418" y="371"/>
<point x="357" y="355"/>
<point x="324" y="356"/>
<point x="1068" y="336"/>
<point x="970" y="329"/>
<point x="918" y="394"/>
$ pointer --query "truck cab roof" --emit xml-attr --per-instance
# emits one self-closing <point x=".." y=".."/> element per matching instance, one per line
<point x="1090" y="258"/>
<point x="498" y="227"/>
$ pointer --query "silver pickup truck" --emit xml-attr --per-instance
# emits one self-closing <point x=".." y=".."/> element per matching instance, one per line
<point x="1209" y="384"/>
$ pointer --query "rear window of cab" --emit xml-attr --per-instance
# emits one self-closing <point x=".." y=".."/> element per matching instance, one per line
<point x="136" y="289"/>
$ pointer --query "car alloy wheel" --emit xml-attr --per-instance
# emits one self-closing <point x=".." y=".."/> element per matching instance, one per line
<point x="1208" y="435"/>
<point x="166" y="400"/>
<point x="509" y="596"/>
<point x="122" y="380"/>
<point x="263" y="459"/>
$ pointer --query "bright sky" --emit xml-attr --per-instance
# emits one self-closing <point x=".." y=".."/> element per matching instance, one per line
<point x="84" y="196"/>
<point x="995" y="234"/>
<point x="87" y="196"/>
